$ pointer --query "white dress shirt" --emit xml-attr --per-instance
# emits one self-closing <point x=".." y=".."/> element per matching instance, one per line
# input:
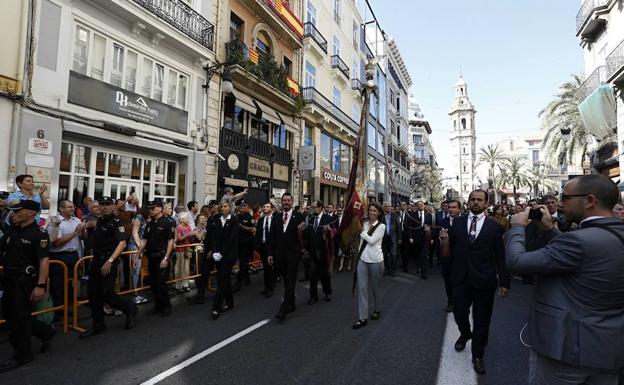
<point x="372" y="253"/>
<point x="480" y="221"/>
<point x="66" y="227"/>
<point x="267" y="226"/>
<point x="224" y="219"/>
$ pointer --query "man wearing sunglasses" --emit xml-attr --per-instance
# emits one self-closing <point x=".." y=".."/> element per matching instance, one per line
<point x="575" y="322"/>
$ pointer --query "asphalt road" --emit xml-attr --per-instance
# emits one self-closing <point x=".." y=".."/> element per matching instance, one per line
<point x="315" y="345"/>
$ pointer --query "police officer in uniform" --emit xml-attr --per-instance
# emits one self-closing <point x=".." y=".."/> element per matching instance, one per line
<point x="26" y="253"/>
<point x="245" y="243"/>
<point x="109" y="241"/>
<point x="159" y="235"/>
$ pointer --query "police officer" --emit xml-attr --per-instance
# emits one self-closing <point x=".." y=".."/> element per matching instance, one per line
<point x="24" y="282"/>
<point x="245" y="243"/>
<point x="159" y="234"/>
<point x="109" y="241"/>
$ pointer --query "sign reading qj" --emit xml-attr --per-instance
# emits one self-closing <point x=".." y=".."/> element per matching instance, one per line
<point x="92" y="93"/>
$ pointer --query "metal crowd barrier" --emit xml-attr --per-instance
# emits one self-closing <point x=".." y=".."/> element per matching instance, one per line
<point x="65" y="306"/>
<point x="81" y="261"/>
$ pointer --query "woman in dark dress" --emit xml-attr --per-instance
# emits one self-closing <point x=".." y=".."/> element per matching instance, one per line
<point x="224" y="253"/>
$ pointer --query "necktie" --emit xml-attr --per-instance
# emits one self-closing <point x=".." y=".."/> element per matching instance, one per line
<point x="451" y="222"/>
<point x="472" y="234"/>
<point x="285" y="218"/>
<point x="266" y="229"/>
<point x="316" y="222"/>
<point x="388" y="224"/>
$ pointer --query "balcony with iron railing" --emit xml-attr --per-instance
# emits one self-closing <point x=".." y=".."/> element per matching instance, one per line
<point x="585" y="24"/>
<point x="340" y="65"/>
<point x="239" y="142"/>
<point x="184" y="18"/>
<point x="310" y="31"/>
<point x="282" y="20"/>
<point x="615" y="64"/>
<point x="592" y="82"/>
<point x="312" y="96"/>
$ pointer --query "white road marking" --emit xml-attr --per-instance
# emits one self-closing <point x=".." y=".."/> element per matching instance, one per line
<point x="204" y="354"/>
<point x="455" y="367"/>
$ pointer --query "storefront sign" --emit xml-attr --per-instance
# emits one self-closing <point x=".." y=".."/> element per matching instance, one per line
<point x="334" y="178"/>
<point x="36" y="160"/>
<point x="39" y="146"/>
<point x="88" y="92"/>
<point x="259" y="167"/>
<point x="280" y="172"/>
<point x="40" y="174"/>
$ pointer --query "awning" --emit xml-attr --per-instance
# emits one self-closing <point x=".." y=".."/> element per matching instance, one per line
<point x="598" y="112"/>
<point x="244" y="101"/>
<point x="235" y="182"/>
<point x="286" y="125"/>
<point x="268" y="113"/>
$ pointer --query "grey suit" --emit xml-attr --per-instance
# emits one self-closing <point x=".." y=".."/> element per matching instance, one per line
<point x="577" y="315"/>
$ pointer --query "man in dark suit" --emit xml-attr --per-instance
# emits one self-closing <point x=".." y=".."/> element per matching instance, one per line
<point x="439" y="219"/>
<point x="317" y="230"/>
<point x="266" y="232"/>
<point x="477" y="270"/>
<point x="575" y="320"/>
<point x="454" y="211"/>
<point x="404" y="247"/>
<point x="391" y="240"/>
<point x="419" y="237"/>
<point x="286" y="252"/>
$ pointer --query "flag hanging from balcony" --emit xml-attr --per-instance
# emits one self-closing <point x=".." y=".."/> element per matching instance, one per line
<point x="278" y="6"/>
<point x="253" y="56"/>
<point x="293" y="86"/>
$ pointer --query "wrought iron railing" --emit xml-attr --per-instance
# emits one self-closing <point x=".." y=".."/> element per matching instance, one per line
<point x="592" y="82"/>
<point x="586" y="10"/>
<point x="260" y="148"/>
<point x="356" y="84"/>
<point x="337" y="62"/>
<point x="312" y="95"/>
<point x="282" y="155"/>
<point x="311" y="31"/>
<point x="615" y="61"/>
<point x="233" y="140"/>
<point x="184" y="18"/>
<point x="236" y="141"/>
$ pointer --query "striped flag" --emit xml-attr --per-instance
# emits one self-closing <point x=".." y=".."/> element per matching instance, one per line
<point x="253" y="56"/>
<point x="278" y="6"/>
<point x="293" y="86"/>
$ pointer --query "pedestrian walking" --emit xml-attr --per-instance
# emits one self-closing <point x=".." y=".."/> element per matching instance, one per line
<point x="109" y="241"/>
<point x="370" y="266"/>
<point x="445" y="255"/>
<point x="24" y="283"/>
<point x="266" y="232"/>
<point x="317" y="236"/>
<point x="392" y="238"/>
<point x="224" y="253"/>
<point x="245" y="241"/>
<point x="184" y="235"/>
<point x="206" y="263"/>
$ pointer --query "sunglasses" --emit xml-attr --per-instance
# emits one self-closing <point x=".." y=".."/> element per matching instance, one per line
<point x="565" y="197"/>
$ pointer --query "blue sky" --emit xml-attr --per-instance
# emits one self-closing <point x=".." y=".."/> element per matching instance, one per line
<point x="513" y="54"/>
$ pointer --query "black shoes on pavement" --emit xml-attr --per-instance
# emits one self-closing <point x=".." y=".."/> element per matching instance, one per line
<point x="461" y="342"/>
<point x="94" y="331"/>
<point x="359" y="324"/>
<point x="478" y="365"/>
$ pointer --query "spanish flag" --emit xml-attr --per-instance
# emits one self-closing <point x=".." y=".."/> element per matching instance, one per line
<point x="253" y="56"/>
<point x="293" y="86"/>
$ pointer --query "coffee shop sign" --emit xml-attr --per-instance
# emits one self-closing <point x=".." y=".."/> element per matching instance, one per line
<point x="330" y="176"/>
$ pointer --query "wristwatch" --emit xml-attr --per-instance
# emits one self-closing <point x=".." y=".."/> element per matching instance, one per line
<point x="111" y="260"/>
<point x="41" y="285"/>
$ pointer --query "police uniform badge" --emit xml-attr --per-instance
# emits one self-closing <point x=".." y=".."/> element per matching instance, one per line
<point x="43" y="243"/>
<point x="122" y="229"/>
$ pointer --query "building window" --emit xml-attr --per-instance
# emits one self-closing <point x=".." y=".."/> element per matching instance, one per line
<point x="356" y="35"/>
<point x="236" y="27"/>
<point x="325" y="151"/>
<point x="81" y="50"/>
<point x="380" y="143"/>
<point x="262" y="44"/>
<point x="281" y="137"/>
<point x="308" y="136"/>
<point x="311" y="13"/>
<point x="463" y="123"/>
<point x="345" y="158"/>
<point x="287" y="66"/>
<point x="337" y="97"/>
<point x="336" y="45"/>
<point x="117" y="67"/>
<point x="371" y="136"/>
<point x="335" y="155"/>
<point x="310" y="75"/>
<point x="355" y="113"/>
<point x="233" y="116"/>
<point x="355" y="70"/>
<point x="337" y="11"/>
<point x="417" y="139"/>
<point x="259" y="130"/>
<point x="535" y="155"/>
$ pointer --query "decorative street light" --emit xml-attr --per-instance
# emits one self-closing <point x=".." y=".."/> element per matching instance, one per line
<point x="565" y="134"/>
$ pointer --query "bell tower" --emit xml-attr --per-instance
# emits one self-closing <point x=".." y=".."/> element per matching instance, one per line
<point x="463" y="140"/>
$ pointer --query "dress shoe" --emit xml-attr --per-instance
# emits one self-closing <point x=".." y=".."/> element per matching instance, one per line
<point x="449" y="308"/>
<point x="478" y="365"/>
<point x="47" y="342"/>
<point x="131" y="317"/>
<point x="461" y="343"/>
<point x="281" y="314"/>
<point x="12" y="364"/>
<point x="227" y="308"/>
<point x="359" y="324"/>
<point x="312" y="301"/>
<point x="214" y="314"/>
<point x="94" y="331"/>
<point x="166" y="312"/>
<point x="375" y="316"/>
<point x="327" y="297"/>
<point x="291" y="308"/>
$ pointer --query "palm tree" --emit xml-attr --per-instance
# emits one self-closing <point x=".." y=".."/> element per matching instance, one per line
<point x="538" y="179"/>
<point x="515" y="174"/>
<point x="562" y="113"/>
<point x="493" y="156"/>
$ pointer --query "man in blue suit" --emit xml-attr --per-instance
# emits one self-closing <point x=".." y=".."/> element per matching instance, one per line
<point x="576" y="320"/>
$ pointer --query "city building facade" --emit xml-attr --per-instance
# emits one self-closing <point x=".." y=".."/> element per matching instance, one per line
<point x="421" y="151"/>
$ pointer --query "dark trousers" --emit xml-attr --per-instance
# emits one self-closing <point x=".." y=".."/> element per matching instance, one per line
<point x="447" y="264"/>
<point x="269" y="280"/>
<point x="421" y="252"/>
<point x="406" y="253"/>
<point x="320" y="271"/>
<point x="307" y="267"/>
<point x="16" y="308"/>
<point x="101" y="289"/>
<point x="245" y="252"/>
<point x="288" y="268"/>
<point x="56" y="275"/>
<point x="224" y="285"/>
<point x="205" y="268"/>
<point x="482" y="301"/>
<point x="158" y="281"/>
<point x="389" y="259"/>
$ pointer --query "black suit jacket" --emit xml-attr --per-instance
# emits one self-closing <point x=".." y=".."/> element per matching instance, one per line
<point x="225" y="238"/>
<point x="275" y="226"/>
<point x="288" y="244"/>
<point x="480" y="263"/>
<point x="314" y="242"/>
<point x="413" y="228"/>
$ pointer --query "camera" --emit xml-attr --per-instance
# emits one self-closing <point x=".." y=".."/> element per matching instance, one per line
<point x="536" y="214"/>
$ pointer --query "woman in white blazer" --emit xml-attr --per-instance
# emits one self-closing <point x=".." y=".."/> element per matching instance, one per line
<point x="370" y="265"/>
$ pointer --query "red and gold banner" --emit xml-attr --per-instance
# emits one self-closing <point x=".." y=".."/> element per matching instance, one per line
<point x="253" y="56"/>
<point x="293" y="86"/>
<point x="286" y="14"/>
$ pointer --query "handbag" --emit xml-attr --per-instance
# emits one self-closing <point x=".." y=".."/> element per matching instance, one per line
<point x="42" y="304"/>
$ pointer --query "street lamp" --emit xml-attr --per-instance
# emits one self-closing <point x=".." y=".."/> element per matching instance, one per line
<point x="565" y="134"/>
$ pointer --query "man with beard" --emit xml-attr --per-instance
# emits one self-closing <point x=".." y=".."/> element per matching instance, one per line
<point x="317" y="230"/>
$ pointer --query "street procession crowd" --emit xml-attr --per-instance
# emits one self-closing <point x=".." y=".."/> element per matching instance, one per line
<point x="569" y="246"/>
